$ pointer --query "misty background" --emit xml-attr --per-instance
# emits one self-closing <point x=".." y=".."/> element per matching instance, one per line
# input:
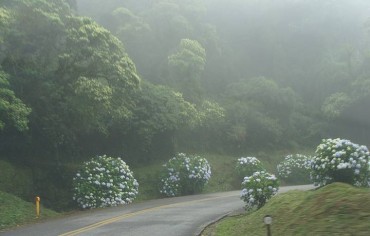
<point x="300" y="65"/>
<point x="146" y="79"/>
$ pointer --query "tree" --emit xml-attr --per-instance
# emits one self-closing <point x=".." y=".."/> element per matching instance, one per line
<point x="160" y="111"/>
<point x="4" y="27"/>
<point x="258" y="112"/>
<point x="135" y="33"/>
<point x="13" y="112"/>
<point x="335" y="104"/>
<point x="74" y="74"/>
<point x="186" y="66"/>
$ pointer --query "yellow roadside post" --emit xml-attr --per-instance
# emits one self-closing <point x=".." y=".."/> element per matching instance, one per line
<point x="37" y="207"/>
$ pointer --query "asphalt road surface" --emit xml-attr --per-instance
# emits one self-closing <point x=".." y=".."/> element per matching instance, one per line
<point x="179" y="216"/>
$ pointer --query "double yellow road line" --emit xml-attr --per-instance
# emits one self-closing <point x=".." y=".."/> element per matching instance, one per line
<point x="128" y="215"/>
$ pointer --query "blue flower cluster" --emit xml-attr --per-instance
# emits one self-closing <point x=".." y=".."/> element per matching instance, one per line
<point x="293" y="164"/>
<point x="184" y="174"/>
<point x="258" y="189"/>
<point x="104" y="181"/>
<point x="343" y="161"/>
<point x="246" y="166"/>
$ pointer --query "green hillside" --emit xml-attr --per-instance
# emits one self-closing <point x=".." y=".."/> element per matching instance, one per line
<point x="337" y="209"/>
<point x="14" y="211"/>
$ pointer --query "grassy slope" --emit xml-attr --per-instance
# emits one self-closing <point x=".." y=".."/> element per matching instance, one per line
<point x="223" y="176"/>
<point x="15" y="211"/>
<point x="337" y="209"/>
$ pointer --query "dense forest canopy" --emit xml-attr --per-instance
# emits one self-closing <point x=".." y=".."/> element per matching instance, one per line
<point x="315" y="51"/>
<point x="145" y="79"/>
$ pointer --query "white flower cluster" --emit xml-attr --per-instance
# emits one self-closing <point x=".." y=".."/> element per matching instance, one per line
<point x="247" y="166"/>
<point x="104" y="181"/>
<point x="248" y="161"/>
<point x="184" y="175"/>
<point x="258" y="189"/>
<point x="294" y="164"/>
<point x="341" y="160"/>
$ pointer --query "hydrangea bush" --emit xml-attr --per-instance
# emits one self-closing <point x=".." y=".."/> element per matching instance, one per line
<point x="246" y="166"/>
<point x="184" y="175"/>
<point x="295" y="168"/>
<point x="104" y="181"/>
<point x="340" y="160"/>
<point x="258" y="189"/>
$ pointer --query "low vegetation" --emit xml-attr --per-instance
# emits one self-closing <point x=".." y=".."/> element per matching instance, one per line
<point x="184" y="174"/>
<point x="15" y="211"/>
<point x="104" y="181"/>
<point x="336" y="209"/>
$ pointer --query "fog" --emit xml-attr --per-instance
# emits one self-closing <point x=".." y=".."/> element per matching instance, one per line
<point x="170" y="75"/>
<point x="144" y="80"/>
<point x="317" y="48"/>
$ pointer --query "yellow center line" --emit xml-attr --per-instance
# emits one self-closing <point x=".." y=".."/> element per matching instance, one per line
<point x="127" y="215"/>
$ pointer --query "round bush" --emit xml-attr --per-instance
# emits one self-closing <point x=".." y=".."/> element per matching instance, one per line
<point x="295" y="168"/>
<point x="183" y="175"/>
<point x="246" y="166"/>
<point x="104" y="181"/>
<point x="258" y="189"/>
<point x="340" y="160"/>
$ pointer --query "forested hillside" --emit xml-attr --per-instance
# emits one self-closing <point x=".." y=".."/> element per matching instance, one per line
<point x="285" y="72"/>
<point x="145" y="79"/>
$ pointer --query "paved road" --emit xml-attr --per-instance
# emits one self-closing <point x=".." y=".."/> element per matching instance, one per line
<point x="163" y="217"/>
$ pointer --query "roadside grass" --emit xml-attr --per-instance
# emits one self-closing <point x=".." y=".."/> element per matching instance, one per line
<point x="224" y="177"/>
<point x="15" y="211"/>
<point x="148" y="178"/>
<point x="336" y="209"/>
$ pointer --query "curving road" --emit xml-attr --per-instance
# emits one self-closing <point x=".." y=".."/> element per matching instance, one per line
<point x="171" y="216"/>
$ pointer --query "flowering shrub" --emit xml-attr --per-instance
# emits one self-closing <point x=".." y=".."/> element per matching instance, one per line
<point x="104" y="181"/>
<point x="340" y="160"/>
<point x="295" y="168"/>
<point x="246" y="166"/>
<point x="184" y="175"/>
<point x="258" y="189"/>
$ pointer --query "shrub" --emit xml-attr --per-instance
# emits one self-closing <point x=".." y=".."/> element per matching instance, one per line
<point x="184" y="175"/>
<point x="258" y="189"/>
<point x="104" y="181"/>
<point x="340" y="160"/>
<point x="295" y="168"/>
<point x="16" y="180"/>
<point x="246" y="166"/>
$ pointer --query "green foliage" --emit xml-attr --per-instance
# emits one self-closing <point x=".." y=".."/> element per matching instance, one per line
<point x="211" y="114"/>
<point x="340" y="160"/>
<point x="4" y="24"/>
<point x="13" y="112"/>
<point x="73" y="74"/>
<point x="14" y="211"/>
<point x="336" y="209"/>
<point x="184" y="175"/>
<point x="258" y="189"/>
<point x="297" y="71"/>
<point x="246" y="166"/>
<point x="186" y="66"/>
<point x="258" y="111"/>
<point x="224" y="177"/>
<point x="16" y="180"/>
<point x="160" y="109"/>
<point x="295" y="169"/>
<point x="189" y="58"/>
<point x="127" y="26"/>
<point x="335" y="104"/>
<point x="104" y="181"/>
